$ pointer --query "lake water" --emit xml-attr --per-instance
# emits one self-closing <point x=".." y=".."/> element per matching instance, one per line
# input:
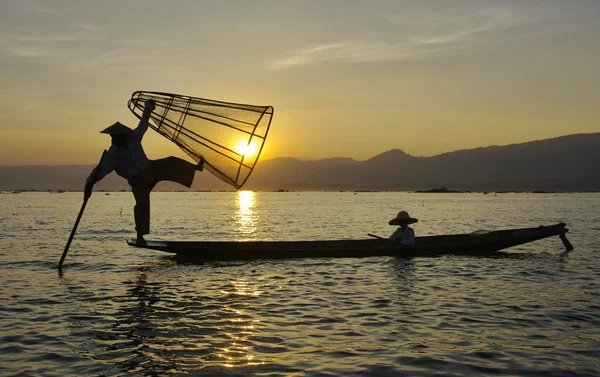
<point x="121" y="311"/>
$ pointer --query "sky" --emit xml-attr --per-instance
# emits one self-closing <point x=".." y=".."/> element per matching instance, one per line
<point x="346" y="78"/>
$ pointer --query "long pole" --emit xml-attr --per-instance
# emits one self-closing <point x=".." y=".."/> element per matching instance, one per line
<point x="85" y="200"/>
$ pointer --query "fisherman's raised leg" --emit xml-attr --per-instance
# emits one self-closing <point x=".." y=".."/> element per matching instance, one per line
<point x="176" y="170"/>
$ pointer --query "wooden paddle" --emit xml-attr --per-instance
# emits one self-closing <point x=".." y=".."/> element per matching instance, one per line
<point x="375" y="236"/>
<point x="85" y="199"/>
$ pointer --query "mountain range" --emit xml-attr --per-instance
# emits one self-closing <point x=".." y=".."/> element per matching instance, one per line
<point x="567" y="163"/>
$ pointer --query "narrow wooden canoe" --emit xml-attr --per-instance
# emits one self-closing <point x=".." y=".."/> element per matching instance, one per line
<point x="477" y="243"/>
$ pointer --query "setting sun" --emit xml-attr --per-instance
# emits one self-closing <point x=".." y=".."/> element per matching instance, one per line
<point x="245" y="149"/>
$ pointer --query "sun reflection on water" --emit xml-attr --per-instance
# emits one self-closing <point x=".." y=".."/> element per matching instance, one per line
<point x="242" y="326"/>
<point x="245" y="216"/>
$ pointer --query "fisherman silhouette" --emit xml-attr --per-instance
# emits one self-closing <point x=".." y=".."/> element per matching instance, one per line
<point x="404" y="235"/>
<point x="127" y="158"/>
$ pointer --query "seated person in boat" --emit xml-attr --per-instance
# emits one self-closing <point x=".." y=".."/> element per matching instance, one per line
<point x="404" y="235"/>
<point x="128" y="159"/>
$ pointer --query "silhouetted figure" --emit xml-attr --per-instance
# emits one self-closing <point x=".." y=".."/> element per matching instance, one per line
<point x="128" y="159"/>
<point x="404" y="235"/>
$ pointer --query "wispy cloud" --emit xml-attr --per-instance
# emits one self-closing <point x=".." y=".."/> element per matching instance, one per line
<point x="78" y="46"/>
<point x="41" y="46"/>
<point x="419" y="35"/>
<point x="45" y="10"/>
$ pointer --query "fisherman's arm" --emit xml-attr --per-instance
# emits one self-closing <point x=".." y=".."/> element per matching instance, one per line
<point x="107" y="165"/>
<point x="142" y="127"/>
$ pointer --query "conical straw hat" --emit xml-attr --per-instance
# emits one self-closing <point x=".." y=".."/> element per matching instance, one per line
<point x="117" y="129"/>
<point x="403" y="218"/>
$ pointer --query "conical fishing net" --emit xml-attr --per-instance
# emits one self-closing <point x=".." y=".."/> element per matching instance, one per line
<point x="230" y="136"/>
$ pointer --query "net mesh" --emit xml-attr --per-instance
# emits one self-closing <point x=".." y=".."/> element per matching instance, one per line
<point x="230" y="136"/>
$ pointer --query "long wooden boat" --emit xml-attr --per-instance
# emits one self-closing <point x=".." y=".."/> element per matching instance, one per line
<point x="477" y="243"/>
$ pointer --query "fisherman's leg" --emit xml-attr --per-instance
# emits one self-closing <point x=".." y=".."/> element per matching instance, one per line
<point x="141" y="211"/>
<point x="176" y="170"/>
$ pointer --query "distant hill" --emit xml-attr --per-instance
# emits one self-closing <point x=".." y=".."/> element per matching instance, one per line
<point x="567" y="163"/>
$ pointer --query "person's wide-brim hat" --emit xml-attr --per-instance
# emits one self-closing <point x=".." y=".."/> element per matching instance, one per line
<point x="117" y="129"/>
<point x="403" y="218"/>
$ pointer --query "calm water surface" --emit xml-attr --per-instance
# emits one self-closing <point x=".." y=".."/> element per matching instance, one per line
<point x="120" y="311"/>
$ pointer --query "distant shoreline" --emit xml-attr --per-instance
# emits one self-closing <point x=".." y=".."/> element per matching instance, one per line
<point x="432" y="191"/>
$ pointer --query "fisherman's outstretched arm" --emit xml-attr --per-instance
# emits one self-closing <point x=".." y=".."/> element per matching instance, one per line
<point x="107" y="165"/>
<point x="140" y="130"/>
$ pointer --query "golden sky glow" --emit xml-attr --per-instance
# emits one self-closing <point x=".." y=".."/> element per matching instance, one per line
<point x="346" y="78"/>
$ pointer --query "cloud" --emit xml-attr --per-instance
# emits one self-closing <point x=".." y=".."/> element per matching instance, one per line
<point x="419" y="35"/>
<point x="77" y="46"/>
<point x="47" y="48"/>
<point x="46" y="11"/>
<point x="43" y="9"/>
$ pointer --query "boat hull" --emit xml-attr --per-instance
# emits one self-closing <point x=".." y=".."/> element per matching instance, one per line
<point x="461" y="244"/>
